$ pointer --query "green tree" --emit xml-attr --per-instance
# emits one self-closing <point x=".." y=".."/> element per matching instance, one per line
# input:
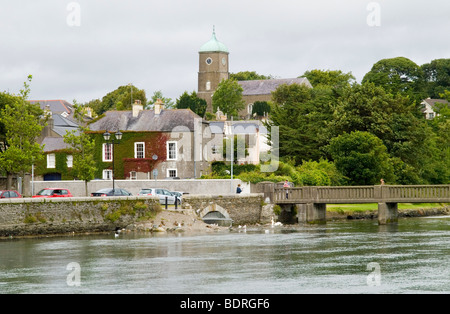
<point x="192" y="102"/>
<point x="23" y="125"/>
<point x="437" y="77"/>
<point x="398" y="75"/>
<point x="249" y="76"/>
<point x="228" y="97"/>
<point x="168" y="102"/>
<point x="302" y="115"/>
<point x="330" y="78"/>
<point x="120" y="99"/>
<point x="84" y="165"/>
<point x="261" y="108"/>
<point x="362" y="158"/>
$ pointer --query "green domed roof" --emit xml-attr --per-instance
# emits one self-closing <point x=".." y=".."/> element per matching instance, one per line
<point x="213" y="45"/>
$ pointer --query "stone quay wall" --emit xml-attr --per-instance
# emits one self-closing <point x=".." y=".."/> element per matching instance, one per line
<point x="242" y="209"/>
<point x="24" y="217"/>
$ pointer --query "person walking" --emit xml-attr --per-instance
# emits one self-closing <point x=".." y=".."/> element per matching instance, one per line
<point x="286" y="186"/>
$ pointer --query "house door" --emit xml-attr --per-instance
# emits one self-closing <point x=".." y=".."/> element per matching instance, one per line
<point x="52" y="177"/>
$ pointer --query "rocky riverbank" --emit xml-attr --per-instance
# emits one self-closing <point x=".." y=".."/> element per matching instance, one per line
<point x="373" y="214"/>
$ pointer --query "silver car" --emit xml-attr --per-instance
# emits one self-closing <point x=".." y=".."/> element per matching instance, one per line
<point x="162" y="193"/>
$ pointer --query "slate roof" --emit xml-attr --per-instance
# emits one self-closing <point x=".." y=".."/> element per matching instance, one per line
<point x="146" y="121"/>
<point x="266" y="87"/>
<point x="54" y="144"/>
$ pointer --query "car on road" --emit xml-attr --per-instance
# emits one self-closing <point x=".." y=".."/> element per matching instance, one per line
<point x="111" y="192"/>
<point x="9" y="194"/>
<point x="163" y="194"/>
<point x="53" y="192"/>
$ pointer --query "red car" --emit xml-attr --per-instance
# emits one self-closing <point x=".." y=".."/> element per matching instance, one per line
<point x="53" y="192"/>
<point x="9" y="194"/>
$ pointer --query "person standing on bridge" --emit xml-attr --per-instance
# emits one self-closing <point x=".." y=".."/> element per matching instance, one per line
<point x="286" y="186"/>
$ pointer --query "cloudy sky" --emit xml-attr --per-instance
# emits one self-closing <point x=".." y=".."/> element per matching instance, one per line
<point x="84" y="49"/>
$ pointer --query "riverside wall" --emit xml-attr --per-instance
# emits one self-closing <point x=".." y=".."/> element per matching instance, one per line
<point x="33" y="217"/>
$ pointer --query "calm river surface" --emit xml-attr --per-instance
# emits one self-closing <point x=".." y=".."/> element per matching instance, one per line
<point x="340" y="257"/>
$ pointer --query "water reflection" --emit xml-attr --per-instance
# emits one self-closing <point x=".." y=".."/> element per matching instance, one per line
<point x="413" y="256"/>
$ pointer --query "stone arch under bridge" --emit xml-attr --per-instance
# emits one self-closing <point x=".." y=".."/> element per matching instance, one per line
<point x="214" y="213"/>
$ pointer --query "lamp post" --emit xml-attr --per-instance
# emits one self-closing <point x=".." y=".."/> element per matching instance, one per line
<point x="112" y="141"/>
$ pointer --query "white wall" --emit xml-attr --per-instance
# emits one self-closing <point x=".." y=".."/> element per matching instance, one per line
<point x="215" y="187"/>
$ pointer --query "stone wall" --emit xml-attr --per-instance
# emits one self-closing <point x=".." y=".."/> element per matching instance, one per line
<point x="243" y="209"/>
<point x="66" y="215"/>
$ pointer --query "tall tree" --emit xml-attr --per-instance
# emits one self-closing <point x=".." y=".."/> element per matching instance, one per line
<point x="362" y="158"/>
<point x="192" y="102"/>
<point x="120" y="99"/>
<point x="23" y="124"/>
<point x="84" y="165"/>
<point x="330" y="78"/>
<point x="168" y="102"/>
<point x="398" y="75"/>
<point x="437" y="77"/>
<point x="228" y="97"/>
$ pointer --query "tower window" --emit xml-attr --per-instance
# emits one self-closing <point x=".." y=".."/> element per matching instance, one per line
<point x="209" y="61"/>
<point x="208" y="85"/>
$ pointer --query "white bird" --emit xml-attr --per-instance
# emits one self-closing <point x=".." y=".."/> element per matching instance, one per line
<point x="278" y="224"/>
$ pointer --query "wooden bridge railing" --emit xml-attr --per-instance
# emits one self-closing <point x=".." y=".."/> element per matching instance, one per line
<point x="363" y="194"/>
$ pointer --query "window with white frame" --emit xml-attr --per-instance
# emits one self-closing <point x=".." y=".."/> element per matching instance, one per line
<point x="51" y="161"/>
<point x="139" y="150"/>
<point x="107" y="174"/>
<point x="133" y="175"/>
<point x="172" y="173"/>
<point x="171" y="150"/>
<point x="69" y="161"/>
<point x="107" y="152"/>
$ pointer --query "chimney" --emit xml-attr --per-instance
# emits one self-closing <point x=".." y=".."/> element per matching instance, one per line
<point x="159" y="106"/>
<point x="137" y="107"/>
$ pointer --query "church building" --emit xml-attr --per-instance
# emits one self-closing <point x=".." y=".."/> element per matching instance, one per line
<point x="214" y="67"/>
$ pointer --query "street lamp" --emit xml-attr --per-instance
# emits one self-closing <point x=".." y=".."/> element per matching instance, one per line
<point x="107" y="138"/>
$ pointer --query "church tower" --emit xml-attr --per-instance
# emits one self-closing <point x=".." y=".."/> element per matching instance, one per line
<point x="213" y="68"/>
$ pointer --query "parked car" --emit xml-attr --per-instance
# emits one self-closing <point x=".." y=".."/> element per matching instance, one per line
<point x="179" y="195"/>
<point x="109" y="192"/>
<point x="53" y="192"/>
<point x="9" y="194"/>
<point x="162" y="193"/>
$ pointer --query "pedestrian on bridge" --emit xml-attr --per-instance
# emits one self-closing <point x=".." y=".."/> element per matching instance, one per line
<point x="286" y="186"/>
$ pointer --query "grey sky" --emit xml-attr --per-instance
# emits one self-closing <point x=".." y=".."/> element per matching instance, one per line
<point x="154" y="44"/>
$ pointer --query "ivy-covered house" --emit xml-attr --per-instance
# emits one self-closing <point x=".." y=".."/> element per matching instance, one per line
<point x="57" y="164"/>
<point x="155" y="144"/>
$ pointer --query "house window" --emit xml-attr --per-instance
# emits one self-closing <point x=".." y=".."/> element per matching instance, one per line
<point x="69" y="161"/>
<point x="214" y="150"/>
<point x="133" y="175"/>
<point x="139" y="150"/>
<point x="51" y="161"/>
<point x="107" y="174"/>
<point x="107" y="152"/>
<point x="250" y="109"/>
<point x="171" y="173"/>
<point x="171" y="150"/>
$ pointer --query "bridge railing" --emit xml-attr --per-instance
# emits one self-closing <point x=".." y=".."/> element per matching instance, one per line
<point x="364" y="194"/>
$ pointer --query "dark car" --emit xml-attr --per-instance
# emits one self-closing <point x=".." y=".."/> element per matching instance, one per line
<point x="53" y="192"/>
<point x="9" y="194"/>
<point x="111" y="192"/>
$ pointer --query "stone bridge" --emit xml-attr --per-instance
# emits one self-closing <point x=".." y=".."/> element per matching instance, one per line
<point x="311" y="201"/>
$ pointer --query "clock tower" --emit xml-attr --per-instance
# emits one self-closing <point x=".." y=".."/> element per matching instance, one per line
<point x="213" y="68"/>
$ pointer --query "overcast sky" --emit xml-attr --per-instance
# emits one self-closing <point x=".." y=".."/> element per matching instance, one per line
<point x="84" y="49"/>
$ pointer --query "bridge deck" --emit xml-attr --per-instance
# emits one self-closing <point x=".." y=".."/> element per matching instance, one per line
<point x="363" y="194"/>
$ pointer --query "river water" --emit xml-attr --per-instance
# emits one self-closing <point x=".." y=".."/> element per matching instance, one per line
<point x="412" y="256"/>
